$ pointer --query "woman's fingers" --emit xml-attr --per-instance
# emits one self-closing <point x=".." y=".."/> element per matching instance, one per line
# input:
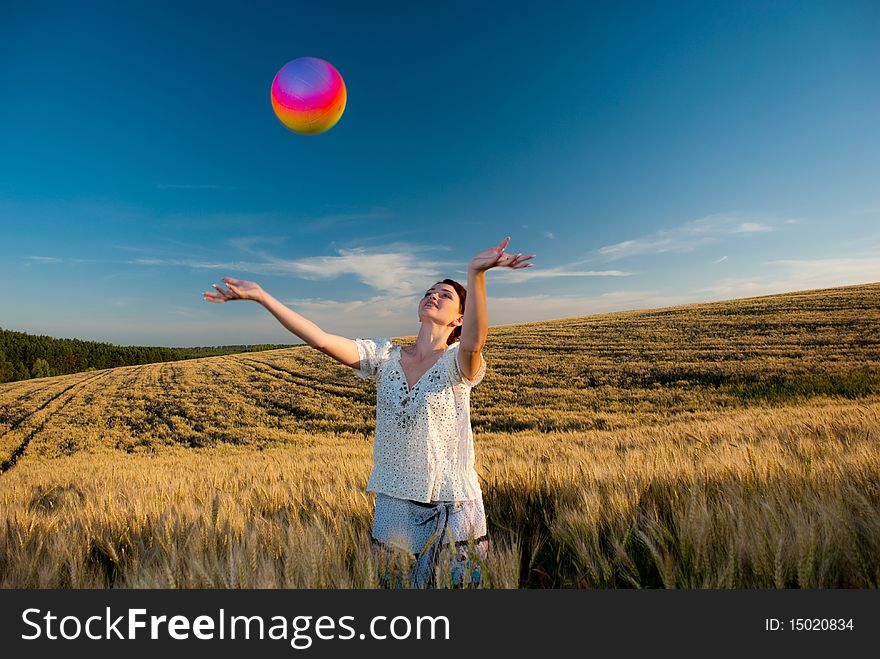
<point x="227" y="294"/>
<point x="519" y="261"/>
<point x="235" y="291"/>
<point x="215" y="297"/>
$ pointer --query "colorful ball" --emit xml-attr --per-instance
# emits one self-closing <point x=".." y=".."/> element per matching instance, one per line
<point x="308" y="95"/>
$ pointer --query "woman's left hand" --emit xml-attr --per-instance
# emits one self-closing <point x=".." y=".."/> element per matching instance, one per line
<point x="494" y="257"/>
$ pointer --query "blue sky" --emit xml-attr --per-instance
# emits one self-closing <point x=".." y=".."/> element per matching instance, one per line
<point x="649" y="154"/>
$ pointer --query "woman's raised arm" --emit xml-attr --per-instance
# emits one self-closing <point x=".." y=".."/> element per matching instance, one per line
<point x="340" y="348"/>
<point x="475" y="324"/>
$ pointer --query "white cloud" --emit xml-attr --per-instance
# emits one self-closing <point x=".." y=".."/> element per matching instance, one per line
<point x="843" y="270"/>
<point x="247" y="243"/>
<point x="721" y="260"/>
<point x="550" y="235"/>
<point x="44" y="259"/>
<point x="55" y="259"/>
<point x="123" y="301"/>
<point x="687" y="237"/>
<point x="752" y="227"/>
<point x="398" y="269"/>
<point x="324" y="222"/>
<point x="721" y="224"/>
<point x="259" y="221"/>
<point x="239" y="266"/>
<point x="510" y="276"/>
<point x="799" y="275"/>
<point x="644" y="246"/>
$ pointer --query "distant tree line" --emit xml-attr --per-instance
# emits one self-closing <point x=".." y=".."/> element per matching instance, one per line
<point x="24" y="356"/>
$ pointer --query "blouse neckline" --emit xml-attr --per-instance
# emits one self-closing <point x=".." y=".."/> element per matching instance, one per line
<point x="409" y="389"/>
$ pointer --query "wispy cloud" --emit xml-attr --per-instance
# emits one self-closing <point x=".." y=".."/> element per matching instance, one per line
<point x="399" y="268"/>
<point x="752" y="227"/>
<point x="123" y="301"/>
<point x="847" y="270"/>
<point x="550" y="235"/>
<point x="721" y="224"/>
<point x="324" y="222"/>
<point x="377" y="307"/>
<point x="238" y="266"/>
<point x="286" y="223"/>
<point x="721" y="260"/>
<point x="43" y="259"/>
<point x="506" y="275"/>
<point x="687" y="237"/>
<point x="798" y="275"/>
<point x="644" y="246"/>
<point x="29" y="260"/>
<point x="249" y="243"/>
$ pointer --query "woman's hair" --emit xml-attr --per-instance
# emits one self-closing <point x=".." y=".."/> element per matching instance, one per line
<point x="462" y="295"/>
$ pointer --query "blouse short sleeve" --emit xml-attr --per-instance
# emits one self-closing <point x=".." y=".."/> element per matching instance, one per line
<point x="371" y="352"/>
<point x="456" y="374"/>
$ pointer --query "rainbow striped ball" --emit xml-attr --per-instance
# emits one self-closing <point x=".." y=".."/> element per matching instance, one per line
<point x="308" y="95"/>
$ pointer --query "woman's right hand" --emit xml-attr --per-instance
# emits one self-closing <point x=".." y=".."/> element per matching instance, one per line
<point x="237" y="289"/>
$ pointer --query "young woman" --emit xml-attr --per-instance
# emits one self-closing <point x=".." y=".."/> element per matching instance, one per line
<point x="427" y="491"/>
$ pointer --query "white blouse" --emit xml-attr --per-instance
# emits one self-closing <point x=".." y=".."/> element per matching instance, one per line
<point x="424" y="445"/>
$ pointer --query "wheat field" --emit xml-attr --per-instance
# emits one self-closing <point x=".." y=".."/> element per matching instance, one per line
<point x="724" y="445"/>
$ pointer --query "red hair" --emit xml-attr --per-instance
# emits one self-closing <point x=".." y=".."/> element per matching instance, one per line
<point x="462" y="296"/>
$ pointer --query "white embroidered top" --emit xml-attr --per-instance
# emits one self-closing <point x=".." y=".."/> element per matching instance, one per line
<point x="424" y="445"/>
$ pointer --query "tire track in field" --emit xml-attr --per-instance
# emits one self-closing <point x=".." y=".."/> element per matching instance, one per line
<point x="184" y="398"/>
<point x="27" y="414"/>
<point x="16" y="453"/>
<point x="23" y="399"/>
<point x="164" y="398"/>
<point x="131" y="403"/>
<point x="275" y="372"/>
<point x="114" y="398"/>
<point x="28" y="389"/>
<point x="287" y="376"/>
<point x="316" y="419"/>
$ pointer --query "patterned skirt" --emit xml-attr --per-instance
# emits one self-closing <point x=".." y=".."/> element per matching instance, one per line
<point x="430" y="545"/>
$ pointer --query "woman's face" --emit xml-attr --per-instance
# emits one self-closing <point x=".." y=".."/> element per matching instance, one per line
<point x="440" y="303"/>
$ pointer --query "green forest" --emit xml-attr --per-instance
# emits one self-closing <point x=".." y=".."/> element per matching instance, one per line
<point x="24" y="356"/>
